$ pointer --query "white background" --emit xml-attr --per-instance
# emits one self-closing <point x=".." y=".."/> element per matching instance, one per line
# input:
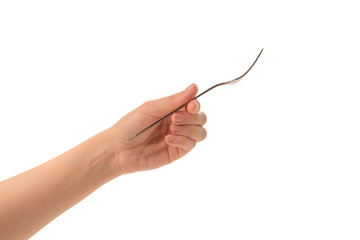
<point x="281" y="160"/>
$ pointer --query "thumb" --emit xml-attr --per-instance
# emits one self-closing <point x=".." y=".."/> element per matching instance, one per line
<point x="167" y="104"/>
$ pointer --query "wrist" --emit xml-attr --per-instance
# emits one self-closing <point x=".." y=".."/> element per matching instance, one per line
<point x="104" y="155"/>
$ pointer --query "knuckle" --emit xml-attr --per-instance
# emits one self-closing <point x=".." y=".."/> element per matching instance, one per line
<point x="147" y="103"/>
<point x="174" y="128"/>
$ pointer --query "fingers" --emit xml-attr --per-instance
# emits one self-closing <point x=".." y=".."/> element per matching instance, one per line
<point x="162" y="106"/>
<point x="180" y="141"/>
<point x="189" y="125"/>
<point x="185" y="118"/>
<point x="193" y="132"/>
<point x="186" y="127"/>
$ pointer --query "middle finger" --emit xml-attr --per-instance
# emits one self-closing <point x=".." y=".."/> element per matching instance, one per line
<point x="185" y="118"/>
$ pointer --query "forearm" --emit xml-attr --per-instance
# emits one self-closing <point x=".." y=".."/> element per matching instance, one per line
<point x="34" y="198"/>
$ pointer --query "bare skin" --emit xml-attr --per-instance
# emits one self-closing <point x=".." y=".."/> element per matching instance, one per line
<point x="30" y="200"/>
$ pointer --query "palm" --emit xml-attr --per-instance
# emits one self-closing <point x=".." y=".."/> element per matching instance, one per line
<point x="148" y="151"/>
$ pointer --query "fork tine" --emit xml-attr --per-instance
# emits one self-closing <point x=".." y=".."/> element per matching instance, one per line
<point x="238" y="78"/>
<point x="199" y="95"/>
<point x="231" y="81"/>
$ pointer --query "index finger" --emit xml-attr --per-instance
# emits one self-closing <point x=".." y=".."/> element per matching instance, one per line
<point x="193" y="107"/>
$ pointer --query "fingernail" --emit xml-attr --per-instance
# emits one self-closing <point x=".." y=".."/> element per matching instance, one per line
<point x="189" y="90"/>
<point x="179" y="117"/>
<point x="197" y="106"/>
<point x="170" y="138"/>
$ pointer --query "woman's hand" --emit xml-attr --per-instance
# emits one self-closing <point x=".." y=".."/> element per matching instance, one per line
<point x="167" y="141"/>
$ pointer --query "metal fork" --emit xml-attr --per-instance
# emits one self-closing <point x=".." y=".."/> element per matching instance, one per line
<point x="236" y="80"/>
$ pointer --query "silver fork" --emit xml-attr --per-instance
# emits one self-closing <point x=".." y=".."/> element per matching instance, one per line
<point x="236" y="80"/>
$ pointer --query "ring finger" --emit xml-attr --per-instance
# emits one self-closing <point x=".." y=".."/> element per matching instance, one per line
<point x="194" y="132"/>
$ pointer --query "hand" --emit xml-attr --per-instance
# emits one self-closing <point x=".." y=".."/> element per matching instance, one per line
<point x="167" y="141"/>
<point x="34" y="198"/>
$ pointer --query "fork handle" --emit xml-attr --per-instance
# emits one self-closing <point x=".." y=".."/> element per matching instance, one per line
<point x="177" y="109"/>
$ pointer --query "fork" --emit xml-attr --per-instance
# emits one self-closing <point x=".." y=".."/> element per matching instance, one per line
<point x="236" y="80"/>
